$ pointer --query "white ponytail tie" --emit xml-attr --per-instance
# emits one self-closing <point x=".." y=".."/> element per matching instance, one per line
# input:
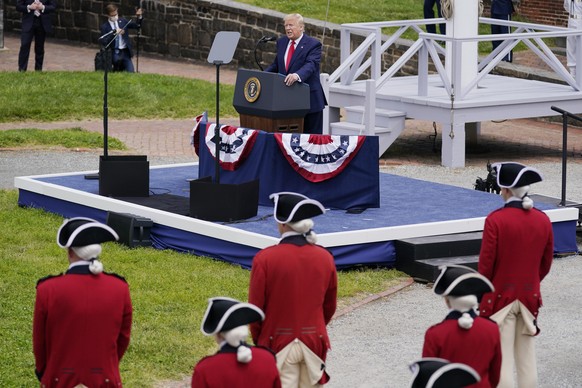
<point x="466" y="321"/>
<point x="244" y="354"/>
<point x="95" y="266"/>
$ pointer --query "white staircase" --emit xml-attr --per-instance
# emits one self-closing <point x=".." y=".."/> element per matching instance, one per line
<point x="388" y="125"/>
<point x="367" y="120"/>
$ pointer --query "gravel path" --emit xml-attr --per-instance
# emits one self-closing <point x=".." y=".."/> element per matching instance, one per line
<point x="373" y="345"/>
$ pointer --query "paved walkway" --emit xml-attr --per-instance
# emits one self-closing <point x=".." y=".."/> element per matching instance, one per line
<point x="524" y="140"/>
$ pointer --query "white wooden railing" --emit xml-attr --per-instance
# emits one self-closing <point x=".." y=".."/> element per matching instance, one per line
<point x="367" y="56"/>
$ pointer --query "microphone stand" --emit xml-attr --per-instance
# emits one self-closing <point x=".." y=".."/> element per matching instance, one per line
<point x="264" y="39"/>
<point x="108" y="65"/>
<point x="140" y="19"/>
<point x="255" y="52"/>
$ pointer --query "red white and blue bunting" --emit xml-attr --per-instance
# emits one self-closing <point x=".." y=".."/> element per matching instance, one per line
<point x="235" y="144"/>
<point x="195" y="135"/>
<point x="318" y="157"/>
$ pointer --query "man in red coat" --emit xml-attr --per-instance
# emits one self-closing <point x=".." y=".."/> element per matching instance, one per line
<point x="295" y="284"/>
<point x="236" y="365"/>
<point x="516" y="254"/>
<point x="82" y="319"/>
<point x="463" y="336"/>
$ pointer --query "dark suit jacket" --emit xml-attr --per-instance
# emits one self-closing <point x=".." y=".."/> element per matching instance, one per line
<point x="123" y="23"/>
<point x="501" y="7"/>
<point x="28" y="17"/>
<point x="305" y="63"/>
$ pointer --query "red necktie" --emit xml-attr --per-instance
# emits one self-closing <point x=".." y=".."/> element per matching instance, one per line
<point x="290" y="54"/>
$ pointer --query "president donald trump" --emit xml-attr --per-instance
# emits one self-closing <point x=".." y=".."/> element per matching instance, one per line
<point x="298" y="57"/>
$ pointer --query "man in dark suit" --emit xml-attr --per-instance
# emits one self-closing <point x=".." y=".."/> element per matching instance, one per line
<point x="298" y="58"/>
<point x="428" y="10"/>
<point x="36" y="23"/>
<point x="116" y="28"/>
<point x="82" y="319"/>
<point x="502" y="10"/>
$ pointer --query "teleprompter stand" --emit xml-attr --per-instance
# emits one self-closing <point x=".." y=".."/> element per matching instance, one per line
<point x="209" y="199"/>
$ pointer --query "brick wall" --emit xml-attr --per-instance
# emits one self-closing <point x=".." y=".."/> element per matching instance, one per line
<point x="549" y="12"/>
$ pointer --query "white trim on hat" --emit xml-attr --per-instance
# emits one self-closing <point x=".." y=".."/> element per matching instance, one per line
<point x="92" y="223"/>
<point x="415" y="366"/>
<point x="306" y="201"/>
<point x="452" y="366"/>
<point x="454" y="283"/>
<point x="525" y="169"/>
<point x="227" y="313"/>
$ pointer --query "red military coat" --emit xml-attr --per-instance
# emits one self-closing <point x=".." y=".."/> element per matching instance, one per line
<point x="516" y="255"/>
<point x="295" y="284"/>
<point x="479" y="347"/>
<point x="81" y="328"/>
<point x="224" y="371"/>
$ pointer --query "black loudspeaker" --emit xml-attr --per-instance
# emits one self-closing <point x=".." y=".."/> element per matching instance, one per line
<point x="124" y="176"/>
<point x="223" y="202"/>
<point x="133" y="231"/>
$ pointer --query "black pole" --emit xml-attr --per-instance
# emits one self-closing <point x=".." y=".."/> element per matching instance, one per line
<point x="217" y="128"/>
<point x="255" y="51"/>
<point x="108" y="63"/>
<point x="564" y="156"/>
<point x="140" y="19"/>
<point x="565" y="116"/>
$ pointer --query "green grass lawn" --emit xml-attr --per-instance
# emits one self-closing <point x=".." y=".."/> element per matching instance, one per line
<point x="169" y="292"/>
<point x="59" y="96"/>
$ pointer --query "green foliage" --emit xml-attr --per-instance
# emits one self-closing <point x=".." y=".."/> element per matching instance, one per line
<point x="347" y="11"/>
<point x="169" y="292"/>
<point x="68" y="138"/>
<point x="59" y="96"/>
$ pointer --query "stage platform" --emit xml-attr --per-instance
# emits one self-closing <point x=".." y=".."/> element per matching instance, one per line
<point x="408" y="208"/>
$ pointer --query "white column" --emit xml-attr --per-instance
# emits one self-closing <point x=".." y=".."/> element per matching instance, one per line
<point x="461" y="64"/>
<point x="463" y="24"/>
<point x="453" y="149"/>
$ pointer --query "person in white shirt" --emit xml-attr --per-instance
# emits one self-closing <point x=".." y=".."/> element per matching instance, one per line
<point x="115" y="28"/>
<point x="574" y="9"/>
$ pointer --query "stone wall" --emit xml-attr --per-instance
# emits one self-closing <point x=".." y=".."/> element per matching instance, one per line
<point x="186" y="28"/>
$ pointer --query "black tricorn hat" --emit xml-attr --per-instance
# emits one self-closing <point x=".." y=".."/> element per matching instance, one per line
<point x="512" y="174"/>
<point x="439" y="373"/>
<point x="458" y="280"/>
<point x="224" y="314"/>
<point x="293" y="207"/>
<point x="81" y="231"/>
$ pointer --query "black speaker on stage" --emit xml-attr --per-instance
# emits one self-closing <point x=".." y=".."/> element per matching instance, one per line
<point x="124" y="176"/>
<point x="223" y="202"/>
<point x="133" y="231"/>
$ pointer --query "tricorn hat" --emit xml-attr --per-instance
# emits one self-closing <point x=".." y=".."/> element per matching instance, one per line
<point x="81" y="231"/>
<point x="512" y="174"/>
<point x="224" y="314"/>
<point x="293" y="207"/>
<point x="439" y="373"/>
<point x="458" y="280"/>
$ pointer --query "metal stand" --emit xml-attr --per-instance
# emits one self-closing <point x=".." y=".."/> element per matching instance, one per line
<point x="108" y="64"/>
<point x="221" y="52"/>
<point x="565" y="116"/>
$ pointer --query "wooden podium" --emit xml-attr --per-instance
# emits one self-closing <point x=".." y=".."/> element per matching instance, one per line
<point x="264" y="102"/>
